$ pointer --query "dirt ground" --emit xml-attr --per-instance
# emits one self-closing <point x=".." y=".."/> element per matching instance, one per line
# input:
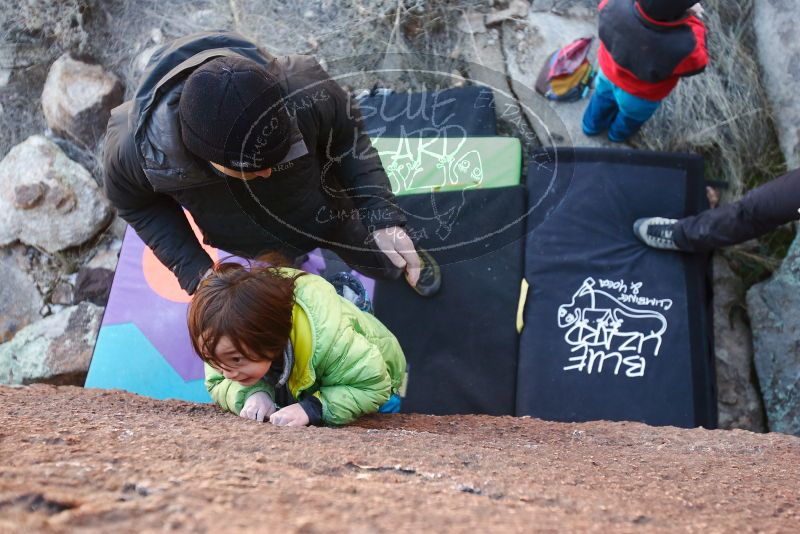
<point x="100" y="461"/>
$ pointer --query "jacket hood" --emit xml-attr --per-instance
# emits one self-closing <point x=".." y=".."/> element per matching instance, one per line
<point x="153" y="118"/>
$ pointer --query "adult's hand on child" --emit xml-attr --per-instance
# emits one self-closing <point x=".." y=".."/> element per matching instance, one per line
<point x="398" y="246"/>
<point x="258" y="406"/>
<point x="292" y="415"/>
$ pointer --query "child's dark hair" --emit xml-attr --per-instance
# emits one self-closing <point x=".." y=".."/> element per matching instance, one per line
<point x="251" y="305"/>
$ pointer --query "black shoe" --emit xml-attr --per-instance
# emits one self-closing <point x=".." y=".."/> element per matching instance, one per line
<point x="656" y="232"/>
<point x="351" y="288"/>
<point x="430" y="276"/>
<point x="300" y="260"/>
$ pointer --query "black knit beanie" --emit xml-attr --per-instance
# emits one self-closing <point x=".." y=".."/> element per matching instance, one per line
<point x="666" y="10"/>
<point x="232" y="113"/>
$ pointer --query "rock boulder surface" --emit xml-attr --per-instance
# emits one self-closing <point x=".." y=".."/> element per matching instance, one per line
<point x="779" y="56"/>
<point x="20" y="301"/>
<point x="773" y="306"/>
<point x="77" y="99"/>
<point x="526" y="48"/>
<point x="56" y="349"/>
<point x="739" y="403"/>
<point x="46" y="199"/>
<point x="101" y="461"/>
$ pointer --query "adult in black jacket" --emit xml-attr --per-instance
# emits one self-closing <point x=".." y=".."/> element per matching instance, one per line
<point x="266" y="153"/>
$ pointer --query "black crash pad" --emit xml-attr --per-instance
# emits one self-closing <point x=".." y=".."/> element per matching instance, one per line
<point x="457" y="112"/>
<point x="614" y="329"/>
<point x="461" y="345"/>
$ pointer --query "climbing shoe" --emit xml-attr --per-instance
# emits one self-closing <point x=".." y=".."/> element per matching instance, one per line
<point x="430" y="276"/>
<point x="656" y="232"/>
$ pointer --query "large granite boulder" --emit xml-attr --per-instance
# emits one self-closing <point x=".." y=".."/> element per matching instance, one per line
<point x="504" y="49"/>
<point x="77" y="99"/>
<point x="482" y="51"/>
<point x="46" y="199"/>
<point x="775" y="23"/>
<point x="526" y="48"/>
<point x="20" y="301"/>
<point x="774" y="308"/>
<point x="738" y="400"/>
<point x="56" y="349"/>
<point x="7" y="63"/>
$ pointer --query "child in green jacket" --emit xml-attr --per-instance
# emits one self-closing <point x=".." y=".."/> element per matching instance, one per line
<point x="277" y="335"/>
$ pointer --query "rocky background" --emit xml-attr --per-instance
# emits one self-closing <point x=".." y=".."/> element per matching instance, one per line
<point x="65" y="64"/>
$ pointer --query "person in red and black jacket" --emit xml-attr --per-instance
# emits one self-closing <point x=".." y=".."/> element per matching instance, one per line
<point x="646" y="46"/>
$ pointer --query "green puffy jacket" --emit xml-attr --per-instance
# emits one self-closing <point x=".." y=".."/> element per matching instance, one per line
<point x="345" y="357"/>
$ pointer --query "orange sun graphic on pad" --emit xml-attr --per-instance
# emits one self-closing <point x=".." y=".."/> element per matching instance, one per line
<point x="161" y="279"/>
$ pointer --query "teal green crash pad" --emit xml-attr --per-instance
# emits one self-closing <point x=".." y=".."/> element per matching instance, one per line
<point x="421" y="164"/>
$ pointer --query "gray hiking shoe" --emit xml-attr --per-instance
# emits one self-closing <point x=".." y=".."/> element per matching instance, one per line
<point x="656" y="232"/>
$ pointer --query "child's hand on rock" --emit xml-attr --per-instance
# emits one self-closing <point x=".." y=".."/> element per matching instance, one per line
<point x="292" y="415"/>
<point x="258" y="406"/>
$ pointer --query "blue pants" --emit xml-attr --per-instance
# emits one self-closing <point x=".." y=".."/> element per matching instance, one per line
<point x="615" y="110"/>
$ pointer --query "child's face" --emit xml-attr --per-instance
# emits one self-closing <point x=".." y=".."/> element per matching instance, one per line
<point x="234" y="366"/>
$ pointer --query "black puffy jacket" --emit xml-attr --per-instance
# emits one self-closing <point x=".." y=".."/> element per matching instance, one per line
<point x="150" y="177"/>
